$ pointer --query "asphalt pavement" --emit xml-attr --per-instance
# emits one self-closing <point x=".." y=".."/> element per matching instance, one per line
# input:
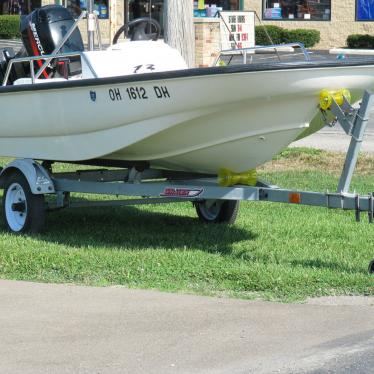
<point x="47" y="328"/>
<point x="335" y="139"/>
<point x="12" y="43"/>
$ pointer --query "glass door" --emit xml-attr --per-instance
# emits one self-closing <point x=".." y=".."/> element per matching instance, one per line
<point x="147" y="8"/>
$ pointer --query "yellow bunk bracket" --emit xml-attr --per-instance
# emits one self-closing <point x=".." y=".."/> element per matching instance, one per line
<point x="326" y="97"/>
<point x="227" y="178"/>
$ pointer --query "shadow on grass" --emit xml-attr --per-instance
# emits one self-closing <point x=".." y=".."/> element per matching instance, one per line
<point x="135" y="229"/>
<point x="334" y="266"/>
<point x="307" y="264"/>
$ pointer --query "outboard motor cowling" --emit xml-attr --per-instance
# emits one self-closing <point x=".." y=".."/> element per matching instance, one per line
<point x="42" y="31"/>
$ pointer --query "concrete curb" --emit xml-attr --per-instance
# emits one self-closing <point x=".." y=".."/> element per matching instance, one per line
<point x="346" y="51"/>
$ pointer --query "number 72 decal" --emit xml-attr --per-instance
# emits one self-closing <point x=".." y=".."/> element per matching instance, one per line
<point x="139" y="68"/>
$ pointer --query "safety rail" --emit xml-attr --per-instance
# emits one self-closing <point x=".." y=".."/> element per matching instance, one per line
<point x="48" y="58"/>
<point x="251" y="50"/>
<point x="55" y="54"/>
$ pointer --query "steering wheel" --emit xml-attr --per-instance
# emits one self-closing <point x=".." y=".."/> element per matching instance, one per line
<point x="136" y="29"/>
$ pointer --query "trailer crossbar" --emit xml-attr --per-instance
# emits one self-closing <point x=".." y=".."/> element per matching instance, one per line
<point x="196" y="190"/>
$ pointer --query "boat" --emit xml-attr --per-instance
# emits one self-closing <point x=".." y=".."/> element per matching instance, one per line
<point x="137" y="103"/>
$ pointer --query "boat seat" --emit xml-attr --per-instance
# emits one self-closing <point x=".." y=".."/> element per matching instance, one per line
<point x="6" y="54"/>
<point x="18" y="70"/>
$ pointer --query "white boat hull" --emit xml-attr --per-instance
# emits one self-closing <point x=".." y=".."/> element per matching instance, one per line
<point x="198" y="122"/>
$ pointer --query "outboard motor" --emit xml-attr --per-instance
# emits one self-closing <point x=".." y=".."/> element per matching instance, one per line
<point x="42" y="31"/>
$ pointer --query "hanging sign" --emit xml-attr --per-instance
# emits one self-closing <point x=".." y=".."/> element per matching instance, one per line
<point x="237" y="30"/>
<point x="364" y="10"/>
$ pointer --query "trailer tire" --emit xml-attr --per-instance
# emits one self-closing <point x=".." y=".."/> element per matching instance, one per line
<point x="217" y="211"/>
<point x="371" y="267"/>
<point x="23" y="211"/>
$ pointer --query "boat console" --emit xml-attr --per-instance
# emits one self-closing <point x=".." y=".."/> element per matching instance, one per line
<point x="51" y="33"/>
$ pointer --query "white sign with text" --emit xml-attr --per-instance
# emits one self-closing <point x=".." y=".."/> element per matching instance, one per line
<point x="237" y="30"/>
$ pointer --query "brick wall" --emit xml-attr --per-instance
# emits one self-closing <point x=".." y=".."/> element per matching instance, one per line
<point x="333" y="33"/>
<point x="104" y="26"/>
<point x="207" y="41"/>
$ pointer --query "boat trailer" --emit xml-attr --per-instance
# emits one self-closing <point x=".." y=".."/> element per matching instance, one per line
<point x="26" y="181"/>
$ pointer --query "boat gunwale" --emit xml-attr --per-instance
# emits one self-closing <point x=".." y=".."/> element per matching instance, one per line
<point x="184" y="73"/>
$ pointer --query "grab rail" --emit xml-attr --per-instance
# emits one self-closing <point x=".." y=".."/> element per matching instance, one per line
<point x="275" y="47"/>
<point x="55" y="54"/>
<point x="48" y="58"/>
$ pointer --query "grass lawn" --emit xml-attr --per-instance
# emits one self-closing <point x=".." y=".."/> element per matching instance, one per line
<point x="274" y="251"/>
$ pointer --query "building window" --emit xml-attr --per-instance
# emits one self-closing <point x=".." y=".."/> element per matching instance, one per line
<point x="364" y="10"/>
<point x="315" y="10"/>
<point x="146" y="8"/>
<point x="18" y="6"/>
<point x="100" y="7"/>
<point x="224" y="4"/>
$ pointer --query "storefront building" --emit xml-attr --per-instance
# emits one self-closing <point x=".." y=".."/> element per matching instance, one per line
<point x="111" y="13"/>
<point x="18" y="6"/>
<point x="335" y="19"/>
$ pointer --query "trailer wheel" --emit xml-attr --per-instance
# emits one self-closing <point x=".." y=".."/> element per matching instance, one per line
<point x="217" y="211"/>
<point x="371" y="267"/>
<point x="23" y="211"/>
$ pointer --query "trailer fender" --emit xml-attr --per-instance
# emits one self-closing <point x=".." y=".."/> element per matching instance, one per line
<point x="37" y="176"/>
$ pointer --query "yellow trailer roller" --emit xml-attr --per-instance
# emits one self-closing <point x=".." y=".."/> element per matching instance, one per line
<point x="326" y="97"/>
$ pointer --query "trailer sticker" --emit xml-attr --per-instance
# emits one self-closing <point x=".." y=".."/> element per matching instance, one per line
<point x="182" y="192"/>
<point x="93" y="95"/>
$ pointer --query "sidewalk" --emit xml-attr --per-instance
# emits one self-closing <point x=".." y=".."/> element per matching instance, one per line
<point x="335" y="139"/>
<point x="16" y="44"/>
<point x="60" y="329"/>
